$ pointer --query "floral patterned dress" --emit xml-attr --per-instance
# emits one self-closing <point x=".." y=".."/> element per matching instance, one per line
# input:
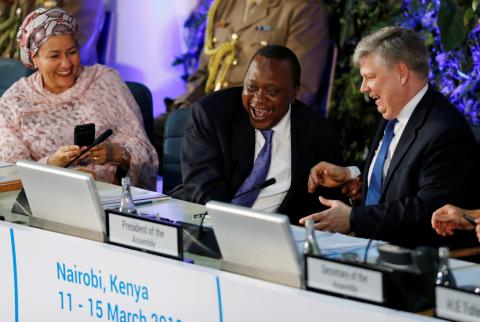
<point x="34" y="123"/>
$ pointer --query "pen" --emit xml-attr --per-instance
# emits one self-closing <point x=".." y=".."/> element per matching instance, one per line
<point x="470" y="219"/>
<point x="146" y="202"/>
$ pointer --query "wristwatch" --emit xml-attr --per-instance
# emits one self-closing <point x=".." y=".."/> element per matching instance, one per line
<point x="123" y="157"/>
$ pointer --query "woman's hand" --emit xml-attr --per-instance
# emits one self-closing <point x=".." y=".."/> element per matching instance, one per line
<point x="64" y="155"/>
<point x="108" y="152"/>
<point x="100" y="154"/>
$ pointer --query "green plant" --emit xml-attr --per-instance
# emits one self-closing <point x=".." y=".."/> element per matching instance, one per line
<point x="352" y="112"/>
<point x="452" y="34"/>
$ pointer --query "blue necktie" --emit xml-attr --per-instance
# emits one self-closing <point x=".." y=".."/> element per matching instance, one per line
<point x="257" y="175"/>
<point x="376" y="179"/>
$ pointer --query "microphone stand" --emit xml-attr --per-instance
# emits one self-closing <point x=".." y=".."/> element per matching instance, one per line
<point x="260" y="186"/>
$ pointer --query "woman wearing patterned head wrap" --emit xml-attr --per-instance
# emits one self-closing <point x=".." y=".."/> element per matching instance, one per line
<point x="38" y="113"/>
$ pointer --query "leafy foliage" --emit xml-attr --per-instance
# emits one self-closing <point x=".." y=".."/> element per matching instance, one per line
<point x="353" y="113"/>
<point x="451" y="31"/>
<point x="452" y="34"/>
<point x="195" y="26"/>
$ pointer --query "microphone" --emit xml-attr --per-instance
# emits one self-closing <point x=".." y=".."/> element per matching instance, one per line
<point x="102" y="137"/>
<point x="258" y="186"/>
<point x="371" y="239"/>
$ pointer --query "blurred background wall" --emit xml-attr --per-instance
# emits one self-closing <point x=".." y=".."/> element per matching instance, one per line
<point x="145" y="38"/>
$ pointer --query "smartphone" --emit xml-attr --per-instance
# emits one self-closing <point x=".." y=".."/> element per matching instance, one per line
<point x="84" y="134"/>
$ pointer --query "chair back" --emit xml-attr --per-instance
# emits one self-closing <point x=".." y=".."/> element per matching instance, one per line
<point x="326" y="84"/>
<point x="11" y="70"/>
<point x="143" y="97"/>
<point x="174" y="130"/>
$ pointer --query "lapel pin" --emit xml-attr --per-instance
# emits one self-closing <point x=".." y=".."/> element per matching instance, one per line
<point x="263" y="28"/>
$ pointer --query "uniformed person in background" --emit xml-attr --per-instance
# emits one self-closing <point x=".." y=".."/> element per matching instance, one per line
<point x="236" y="29"/>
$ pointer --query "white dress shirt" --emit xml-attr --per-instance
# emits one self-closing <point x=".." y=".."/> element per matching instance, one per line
<point x="271" y="197"/>
<point x="402" y="118"/>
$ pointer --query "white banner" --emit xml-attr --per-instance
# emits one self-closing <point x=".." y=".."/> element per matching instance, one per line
<point x="64" y="278"/>
<point x="69" y="279"/>
<point x="7" y="276"/>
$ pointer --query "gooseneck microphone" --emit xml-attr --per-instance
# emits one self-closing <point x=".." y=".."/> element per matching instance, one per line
<point x="102" y="137"/>
<point x="258" y="186"/>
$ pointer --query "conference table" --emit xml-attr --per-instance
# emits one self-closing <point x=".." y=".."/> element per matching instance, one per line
<point x="48" y="276"/>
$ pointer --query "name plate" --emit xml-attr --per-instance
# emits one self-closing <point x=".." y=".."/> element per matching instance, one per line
<point x="457" y="305"/>
<point x="344" y="279"/>
<point x="159" y="237"/>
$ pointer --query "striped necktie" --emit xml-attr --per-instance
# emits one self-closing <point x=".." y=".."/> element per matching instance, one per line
<point x="257" y="175"/>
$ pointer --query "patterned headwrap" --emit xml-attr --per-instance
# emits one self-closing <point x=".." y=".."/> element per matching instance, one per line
<point x="40" y="25"/>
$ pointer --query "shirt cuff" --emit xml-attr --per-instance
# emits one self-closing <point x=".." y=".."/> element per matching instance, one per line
<point x="354" y="172"/>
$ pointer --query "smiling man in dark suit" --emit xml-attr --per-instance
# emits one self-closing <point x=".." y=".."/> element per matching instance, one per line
<point x="241" y="136"/>
<point x="423" y="155"/>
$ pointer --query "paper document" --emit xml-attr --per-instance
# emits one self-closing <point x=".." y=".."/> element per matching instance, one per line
<point x="7" y="179"/>
<point x="111" y="197"/>
<point x="334" y="245"/>
<point x="5" y="164"/>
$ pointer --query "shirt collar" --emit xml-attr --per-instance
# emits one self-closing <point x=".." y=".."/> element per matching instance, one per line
<point x="283" y="127"/>
<point x="408" y="109"/>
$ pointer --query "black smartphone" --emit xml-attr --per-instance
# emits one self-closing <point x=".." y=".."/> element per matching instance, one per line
<point x="84" y="134"/>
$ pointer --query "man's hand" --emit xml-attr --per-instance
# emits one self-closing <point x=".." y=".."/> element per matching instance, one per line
<point x="353" y="188"/>
<point x="448" y="218"/>
<point x="327" y="175"/>
<point x="335" y="220"/>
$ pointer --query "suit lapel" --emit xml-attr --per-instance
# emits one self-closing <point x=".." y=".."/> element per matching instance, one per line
<point x="409" y="135"/>
<point x="297" y="150"/>
<point x="243" y="147"/>
<point x="259" y="13"/>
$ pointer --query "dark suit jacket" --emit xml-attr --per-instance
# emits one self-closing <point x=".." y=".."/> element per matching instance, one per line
<point x="435" y="162"/>
<point x="219" y="145"/>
